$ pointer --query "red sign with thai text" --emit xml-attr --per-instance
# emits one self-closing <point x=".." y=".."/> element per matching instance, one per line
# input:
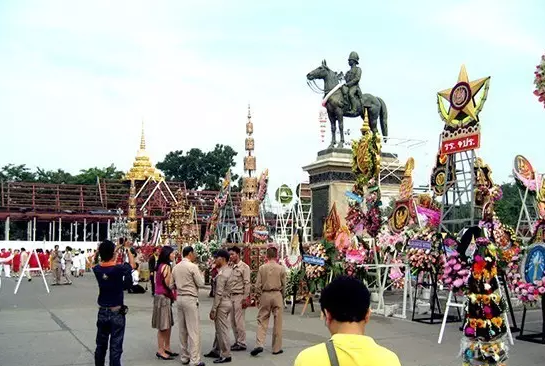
<point x="456" y="145"/>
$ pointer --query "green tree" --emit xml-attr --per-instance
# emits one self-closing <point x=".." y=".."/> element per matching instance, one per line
<point x="508" y="207"/>
<point x="55" y="177"/>
<point x="199" y="170"/>
<point x="17" y="173"/>
<point x="89" y="176"/>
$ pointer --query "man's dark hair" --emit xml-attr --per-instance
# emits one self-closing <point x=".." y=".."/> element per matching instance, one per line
<point x="272" y="252"/>
<point x="121" y="241"/>
<point x="56" y="246"/>
<point x="106" y="250"/>
<point x="235" y="249"/>
<point x="222" y="253"/>
<point x="187" y="250"/>
<point x="346" y="299"/>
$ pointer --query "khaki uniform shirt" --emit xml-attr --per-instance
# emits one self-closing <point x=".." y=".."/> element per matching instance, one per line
<point x="271" y="276"/>
<point x="56" y="257"/>
<point x="240" y="279"/>
<point x="223" y="287"/>
<point x="187" y="278"/>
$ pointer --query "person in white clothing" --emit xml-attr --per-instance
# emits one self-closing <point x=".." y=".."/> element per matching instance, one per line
<point x="82" y="262"/>
<point x="75" y="265"/>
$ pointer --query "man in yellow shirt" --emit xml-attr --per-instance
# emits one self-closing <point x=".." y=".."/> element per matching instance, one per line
<point x="345" y="304"/>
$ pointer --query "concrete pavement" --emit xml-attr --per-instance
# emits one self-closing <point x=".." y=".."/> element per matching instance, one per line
<point x="58" y="329"/>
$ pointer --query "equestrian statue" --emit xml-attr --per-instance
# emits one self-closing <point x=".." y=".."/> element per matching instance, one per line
<point x="347" y="100"/>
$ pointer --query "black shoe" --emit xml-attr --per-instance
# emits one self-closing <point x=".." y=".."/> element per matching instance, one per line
<point x="212" y="354"/>
<point x="200" y="364"/>
<point x="172" y="354"/>
<point x="279" y="352"/>
<point x="223" y="360"/>
<point x="256" y="351"/>
<point x="237" y="347"/>
<point x="163" y="358"/>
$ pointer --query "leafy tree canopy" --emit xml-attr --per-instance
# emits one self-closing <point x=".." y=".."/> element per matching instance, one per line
<point x="198" y="169"/>
<point x="21" y="173"/>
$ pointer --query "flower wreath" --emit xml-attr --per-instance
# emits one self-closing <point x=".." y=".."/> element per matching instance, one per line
<point x="539" y="81"/>
<point x="289" y="263"/>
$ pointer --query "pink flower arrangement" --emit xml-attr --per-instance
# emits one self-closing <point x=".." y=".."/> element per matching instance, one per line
<point x="529" y="293"/>
<point x="389" y="240"/>
<point x="422" y="260"/>
<point x="455" y="272"/>
<point x="539" y="81"/>
<point x="356" y="256"/>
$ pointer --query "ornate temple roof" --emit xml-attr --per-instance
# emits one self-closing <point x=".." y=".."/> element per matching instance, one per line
<point x="142" y="168"/>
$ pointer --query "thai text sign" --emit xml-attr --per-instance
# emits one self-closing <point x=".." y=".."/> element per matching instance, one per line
<point x="317" y="261"/>
<point x="419" y="244"/>
<point x="460" y="144"/>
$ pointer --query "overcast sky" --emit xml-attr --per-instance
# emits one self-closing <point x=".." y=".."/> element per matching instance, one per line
<point x="77" y="77"/>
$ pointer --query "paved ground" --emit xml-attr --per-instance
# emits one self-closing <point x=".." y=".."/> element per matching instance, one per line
<point x="37" y="329"/>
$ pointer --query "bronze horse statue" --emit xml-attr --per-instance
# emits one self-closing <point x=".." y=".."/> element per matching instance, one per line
<point x="337" y="105"/>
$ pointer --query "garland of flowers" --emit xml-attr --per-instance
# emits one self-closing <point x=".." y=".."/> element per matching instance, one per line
<point x="455" y="272"/>
<point x="263" y="183"/>
<point x="484" y="326"/>
<point x="290" y="264"/>
<point x="539" y="81"/>
<point x="317" y="275"/>
<point x="366" y="168"/>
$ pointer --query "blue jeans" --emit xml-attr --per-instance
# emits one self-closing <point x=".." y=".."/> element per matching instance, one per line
<point x="110" y="326"/>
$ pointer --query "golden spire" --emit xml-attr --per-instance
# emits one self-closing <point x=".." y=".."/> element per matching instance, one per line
<point x="142" y="138"/>
<point x="142" y="168"/>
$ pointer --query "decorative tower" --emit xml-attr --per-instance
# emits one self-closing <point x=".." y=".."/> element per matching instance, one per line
<point x="142" y="170"/>
<point x="250" y="203"/>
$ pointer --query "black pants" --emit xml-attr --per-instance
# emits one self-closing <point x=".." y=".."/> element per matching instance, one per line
<point x="110" y="326"/>
<point x="152" y="280"/>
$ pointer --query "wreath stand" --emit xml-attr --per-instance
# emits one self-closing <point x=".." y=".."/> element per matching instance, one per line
<point x="503" y="283"/>
<point x="527" y="215"/>
<point x="308" y="298"/>
<point x="533" y="337"/>
<point x="435" y="305"/>
<point x="381" y="279"/>
<point x="459" y="306"/>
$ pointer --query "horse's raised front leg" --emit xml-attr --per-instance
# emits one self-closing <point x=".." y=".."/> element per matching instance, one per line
<point x="341" y="127"/>
<point x="332" y="120"/>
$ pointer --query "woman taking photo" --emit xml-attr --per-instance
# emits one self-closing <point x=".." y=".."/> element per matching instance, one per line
<point x="162" y="304"/>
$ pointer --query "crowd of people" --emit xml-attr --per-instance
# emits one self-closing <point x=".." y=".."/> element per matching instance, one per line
<point x="176" y="282"/>
<point x="67" y="263"/>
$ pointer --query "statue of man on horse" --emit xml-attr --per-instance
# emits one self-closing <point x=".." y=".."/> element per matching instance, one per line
<point x="347" y="100"/>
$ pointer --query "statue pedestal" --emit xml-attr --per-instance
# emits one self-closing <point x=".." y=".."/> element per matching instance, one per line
<point x="330" y="176"/>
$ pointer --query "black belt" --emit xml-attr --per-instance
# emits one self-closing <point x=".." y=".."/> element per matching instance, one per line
<point x="237" y="294"/>
<point x="111" y="308"/>
<point x="271" y="290"/>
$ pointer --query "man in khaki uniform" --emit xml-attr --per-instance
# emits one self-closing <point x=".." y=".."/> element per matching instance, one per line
<point x="240" y="290"/>
<point x="56" y="265"/>
<point x="270" y="288"/>
<point x="187" y="279"/>
<point x="222" y="307"/>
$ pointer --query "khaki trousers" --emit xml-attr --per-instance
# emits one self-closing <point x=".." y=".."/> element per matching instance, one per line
<point x="222" y="328"/>
<point x="57" y="271"/>
<point x="67" y="272"/>
<point x="270" y="302"/>
<point x="190" y="329"/>
<point x="238" y="322"/>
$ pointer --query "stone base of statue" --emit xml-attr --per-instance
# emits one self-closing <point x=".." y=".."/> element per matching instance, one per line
<point x="331" y="176"/>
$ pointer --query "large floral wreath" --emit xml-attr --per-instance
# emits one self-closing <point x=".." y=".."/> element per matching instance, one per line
<point x="539" y="81"/>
